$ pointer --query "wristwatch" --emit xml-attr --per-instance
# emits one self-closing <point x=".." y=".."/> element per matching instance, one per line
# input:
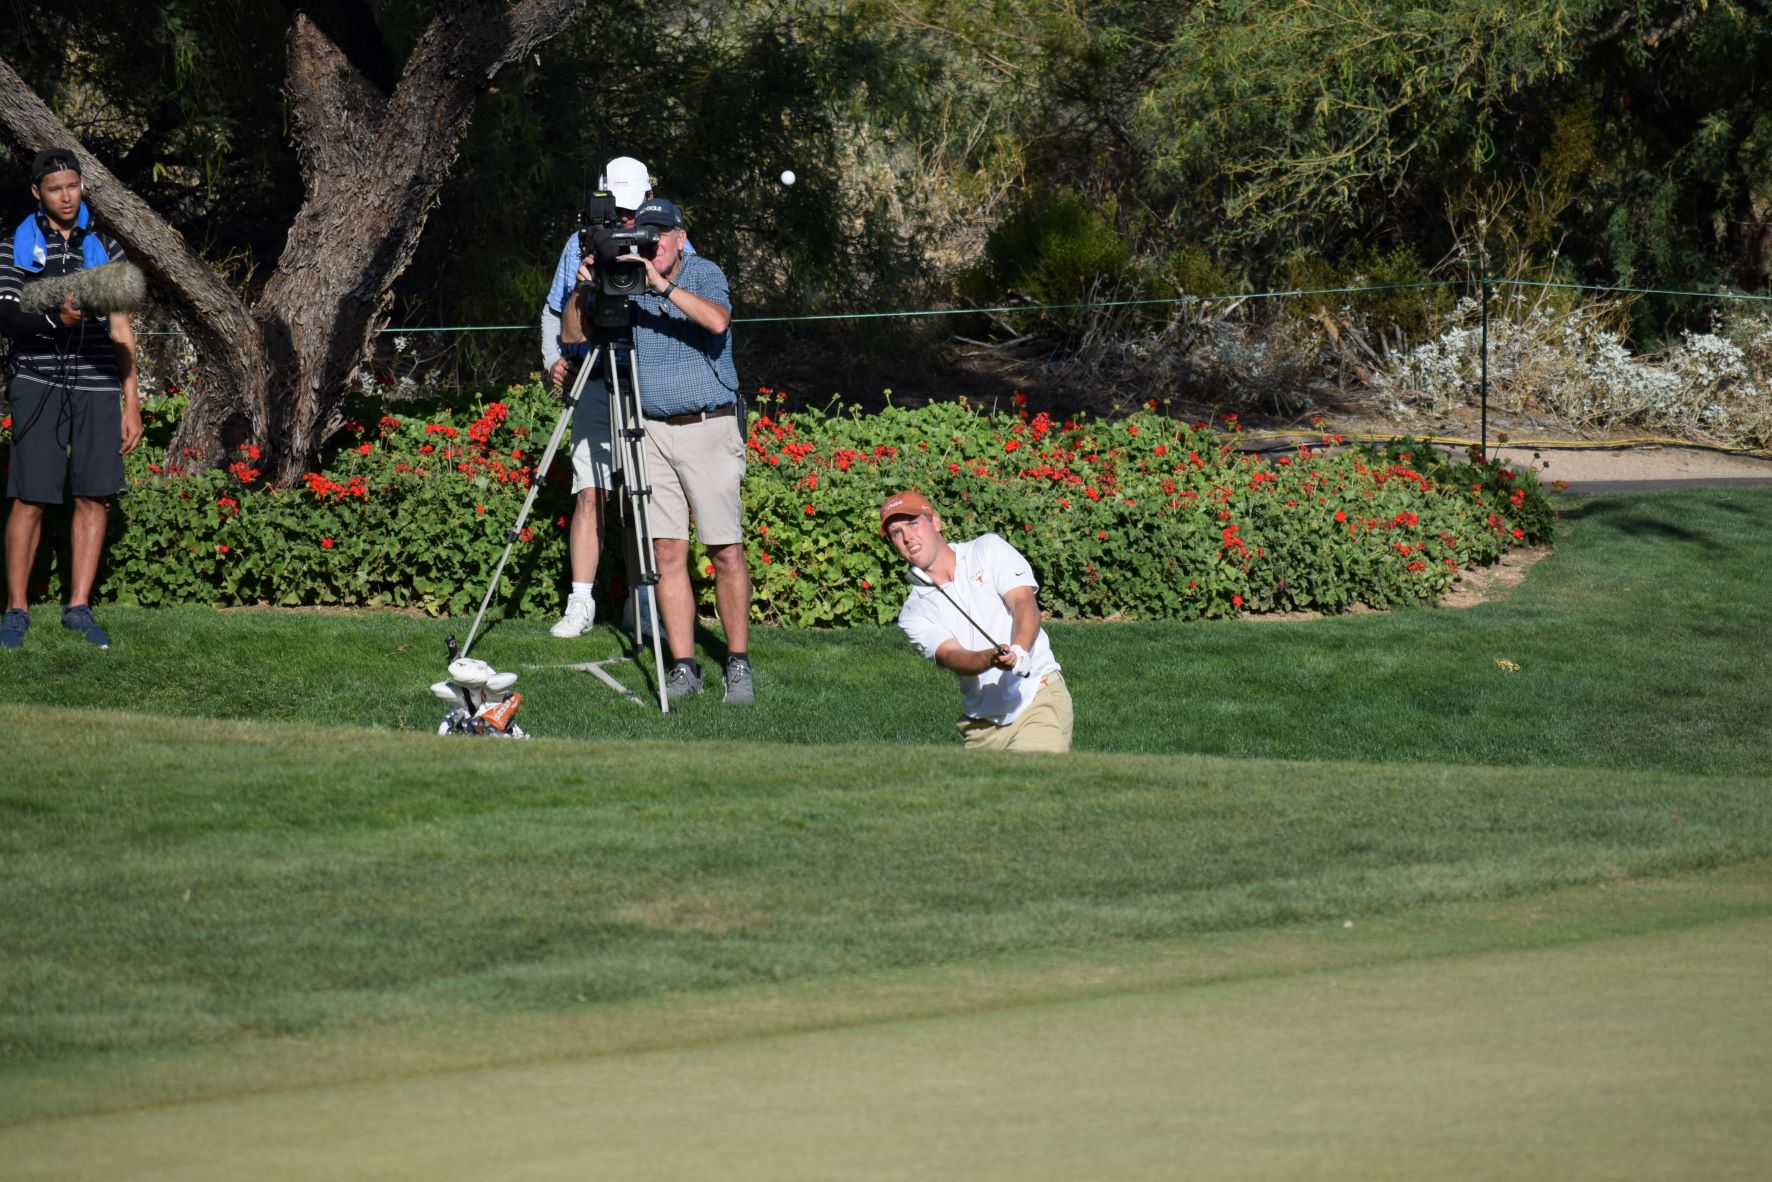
<point x="669" y="288"/>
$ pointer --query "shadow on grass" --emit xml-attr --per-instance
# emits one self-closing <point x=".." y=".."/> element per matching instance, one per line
<point x="1629" y="518"/>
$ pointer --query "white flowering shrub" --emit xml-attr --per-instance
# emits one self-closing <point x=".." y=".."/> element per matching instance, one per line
<point x="1229" y="354"/>
<point x="1571" y="364"/>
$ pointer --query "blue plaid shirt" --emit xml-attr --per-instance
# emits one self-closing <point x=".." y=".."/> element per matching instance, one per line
<point x="683" y="366"/>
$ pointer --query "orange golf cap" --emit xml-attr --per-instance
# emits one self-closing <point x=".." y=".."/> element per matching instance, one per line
<point x="905" y="504"/>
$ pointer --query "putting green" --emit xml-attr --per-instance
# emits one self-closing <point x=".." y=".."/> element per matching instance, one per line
<point x="1640" y="1056"/>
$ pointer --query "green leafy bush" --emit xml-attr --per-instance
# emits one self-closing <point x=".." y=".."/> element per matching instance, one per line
<point x="413" y="512"/>
<point x="1055" y="250"/>
<point x="1142" y="516"/>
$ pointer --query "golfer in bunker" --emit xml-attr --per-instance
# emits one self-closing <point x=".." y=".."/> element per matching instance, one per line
<point x="972" y="610"/>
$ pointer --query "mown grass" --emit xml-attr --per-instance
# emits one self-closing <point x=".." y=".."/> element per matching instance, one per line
<point x="183" y="881"/>
<point x="1638" y="643"/>
<point x="172" y="879"/>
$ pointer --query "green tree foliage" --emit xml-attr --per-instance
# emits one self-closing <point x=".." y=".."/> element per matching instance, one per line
<point x="1629" y="135"/>
<point x="1298" y="116"/>
<point x="718" y="100"/>
<point x="1054" y="249"/>
<point x="181" y="99"/>
<point x="1213" y="145"/>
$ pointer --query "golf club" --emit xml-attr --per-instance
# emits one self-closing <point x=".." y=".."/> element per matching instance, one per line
<point x="917" y="578"/>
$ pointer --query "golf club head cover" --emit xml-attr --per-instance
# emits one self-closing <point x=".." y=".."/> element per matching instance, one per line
<point x="471" y="672"/>
<point x="1024" y="664"/>
<point x="502" y="714"/>
<point x="449" y="692"/>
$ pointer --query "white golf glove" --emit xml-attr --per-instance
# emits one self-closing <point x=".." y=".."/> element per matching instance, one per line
<point x="1024" y="664"/>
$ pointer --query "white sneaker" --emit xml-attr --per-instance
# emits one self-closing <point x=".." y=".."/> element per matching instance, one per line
<point x="637" y="601"/>
<point x="580" y="611"/>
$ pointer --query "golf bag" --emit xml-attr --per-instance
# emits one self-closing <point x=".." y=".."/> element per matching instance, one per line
<point x="480" y="700"/>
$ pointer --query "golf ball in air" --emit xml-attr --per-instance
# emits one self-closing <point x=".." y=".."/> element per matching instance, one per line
<point x="787" y="178"/>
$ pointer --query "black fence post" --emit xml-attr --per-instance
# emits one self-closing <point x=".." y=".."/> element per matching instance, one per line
<point x="1483" y="348"/>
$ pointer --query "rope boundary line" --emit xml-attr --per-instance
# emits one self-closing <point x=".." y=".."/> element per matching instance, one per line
<point x="1228" y="297"/>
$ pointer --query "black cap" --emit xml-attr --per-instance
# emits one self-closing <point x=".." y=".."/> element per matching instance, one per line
<point x="53" y="160"/>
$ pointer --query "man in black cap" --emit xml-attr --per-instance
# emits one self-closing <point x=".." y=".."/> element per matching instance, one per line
<point x="75" y="407"/>
<point x="695" y="446"/>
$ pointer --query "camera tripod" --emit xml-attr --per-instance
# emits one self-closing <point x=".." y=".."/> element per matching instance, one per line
<point x="627" y="447"/>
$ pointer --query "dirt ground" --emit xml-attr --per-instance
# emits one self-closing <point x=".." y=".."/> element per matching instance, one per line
<point x="1583" y="463"/>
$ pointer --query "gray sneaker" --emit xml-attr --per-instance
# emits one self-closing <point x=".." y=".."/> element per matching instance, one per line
<point x="682" y="680"/>
<point x="13" y="627"/>
<point x="79" y="619"/>
<point x="739" y="690"/>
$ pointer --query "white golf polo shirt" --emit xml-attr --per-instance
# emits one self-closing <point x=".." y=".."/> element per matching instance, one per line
<point x="985" y="569"/>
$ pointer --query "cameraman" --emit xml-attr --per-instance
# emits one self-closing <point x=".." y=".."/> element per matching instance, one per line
<point x="628" y="180"/>
<point x="695" y="448"/>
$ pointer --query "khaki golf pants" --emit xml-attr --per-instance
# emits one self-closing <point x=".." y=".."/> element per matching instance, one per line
<point x="1044" y="726"/>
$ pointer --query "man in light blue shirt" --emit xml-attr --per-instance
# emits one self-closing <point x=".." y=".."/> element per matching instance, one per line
<point x="628" y="180"/>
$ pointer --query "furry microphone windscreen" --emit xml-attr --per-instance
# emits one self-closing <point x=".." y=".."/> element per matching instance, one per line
<point x="114" y="287"/>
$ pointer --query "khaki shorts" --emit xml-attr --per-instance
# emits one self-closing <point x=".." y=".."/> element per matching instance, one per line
<point x="697" y="469"/>
<point x="1044" y="726"/>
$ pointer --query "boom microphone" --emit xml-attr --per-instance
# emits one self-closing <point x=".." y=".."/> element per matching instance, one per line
<point x="114" y="287"/>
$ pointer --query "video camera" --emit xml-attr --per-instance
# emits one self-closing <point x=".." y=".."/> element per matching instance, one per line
<point x="602" y="240"/>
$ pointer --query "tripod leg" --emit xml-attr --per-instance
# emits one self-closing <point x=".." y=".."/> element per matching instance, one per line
<point x="625" y="420"/>
<point x="625" y="477"/>
<point x="541" y="473"/>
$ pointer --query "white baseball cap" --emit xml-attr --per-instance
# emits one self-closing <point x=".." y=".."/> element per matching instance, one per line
<point x="628" y="179"/>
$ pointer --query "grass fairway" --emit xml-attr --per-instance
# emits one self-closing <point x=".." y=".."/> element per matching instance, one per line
<point x="1632" y="1037"/>
<point x="1344" y="897"/>
<point x="1639" y="645"/>
<point x="206" y="881"/>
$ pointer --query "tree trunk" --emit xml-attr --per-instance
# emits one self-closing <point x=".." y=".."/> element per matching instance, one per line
<point x="1750" y="235"/>
<point x="372" y="164"/>
<point x="221" y="328"/>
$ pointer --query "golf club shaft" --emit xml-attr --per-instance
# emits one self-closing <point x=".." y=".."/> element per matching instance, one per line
<point x="928" y="582"/>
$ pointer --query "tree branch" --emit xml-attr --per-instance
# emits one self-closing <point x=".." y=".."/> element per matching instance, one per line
<point x="351" y="25"/>
<point x="1660" y="35"/>
<point x="1603" y="35"/>
<point x="187" y="284"/>
<point x="336" y="110"/>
